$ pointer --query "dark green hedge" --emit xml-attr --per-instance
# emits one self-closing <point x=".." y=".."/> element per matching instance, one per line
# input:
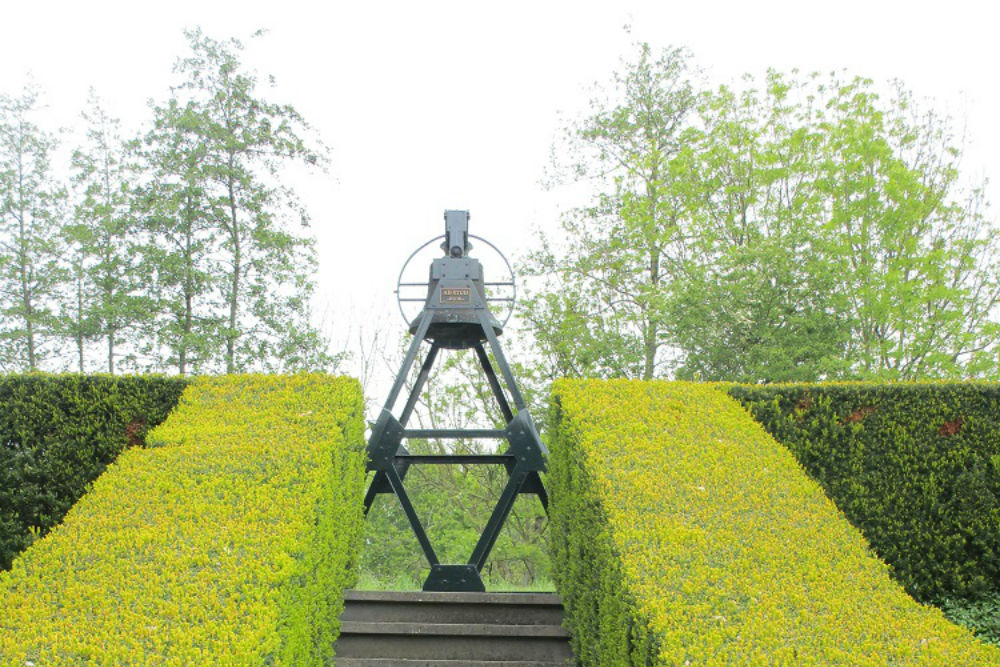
<point x="916" y="467"/>
<point x="58" y="433"/>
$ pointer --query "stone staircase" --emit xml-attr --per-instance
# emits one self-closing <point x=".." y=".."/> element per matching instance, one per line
<point x="426" y="629"/>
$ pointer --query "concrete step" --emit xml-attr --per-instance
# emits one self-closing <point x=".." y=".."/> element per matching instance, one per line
<point x="434" y="607"/>
<point x="433" y="629"/>
<point x="437" y="645"/>
<point x="451" y="629"/>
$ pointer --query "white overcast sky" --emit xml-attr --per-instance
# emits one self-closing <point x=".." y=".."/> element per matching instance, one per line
<point x="433" y="105"/>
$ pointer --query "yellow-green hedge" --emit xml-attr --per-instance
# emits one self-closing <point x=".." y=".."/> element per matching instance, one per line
<point x="229" y="544"/>
<point x="683" y="534"/>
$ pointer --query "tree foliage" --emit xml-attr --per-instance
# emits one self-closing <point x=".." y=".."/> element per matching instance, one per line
<point x="179" y="248"/>
<point x="31" y="208"/>
<point x="797" y="228"/>
<point x="181" y="238"/>
<point x="603" y="311"/>
<point x="264" y="268"/>
<point x="107" y="302"/>
<point x="231" y="267"/>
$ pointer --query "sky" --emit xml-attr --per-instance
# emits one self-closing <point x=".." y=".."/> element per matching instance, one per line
<point x="434" y="105"/>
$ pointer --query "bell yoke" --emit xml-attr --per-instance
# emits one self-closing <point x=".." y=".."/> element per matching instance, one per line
<point x="456" y="316"/>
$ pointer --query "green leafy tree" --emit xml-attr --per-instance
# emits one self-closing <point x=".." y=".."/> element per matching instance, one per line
<point x="180" y="242"/>
<point x="601" y="309"/>
<point x="804" y="230"/>
<point x="75" y="319"/>
<point x="31" y="203"/>
<point x="107" y="301"/>
<point x="757" y="299"/>
<point x="919" y="256"/>
<point x="264" y="268"/>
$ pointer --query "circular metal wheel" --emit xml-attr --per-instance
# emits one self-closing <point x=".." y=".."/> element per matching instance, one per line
<point x="409" y="291"/>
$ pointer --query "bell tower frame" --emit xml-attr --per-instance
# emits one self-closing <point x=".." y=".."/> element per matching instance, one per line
<point x="456" y="316"/>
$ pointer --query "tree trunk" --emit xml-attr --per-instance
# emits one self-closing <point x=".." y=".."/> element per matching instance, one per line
<point x="186" y="318"/>
<point x="111" y="352"/>
<point x="79" y="322"/>
<point x="650" y="343"/>
<point x="235" y="286"/>
<point x="25" y="267"/>
<point x="110" y="316"/>
<point x="652" y="333"/>
<point x="185" y="332"/>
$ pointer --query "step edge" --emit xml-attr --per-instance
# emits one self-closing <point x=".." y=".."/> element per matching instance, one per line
<point x="451" y="629"/>
<point x="352" y="595"/>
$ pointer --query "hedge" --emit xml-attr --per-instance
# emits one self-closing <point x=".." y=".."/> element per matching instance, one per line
<point x="57" y="434"/>
<point x="228" y="541"/>
<point x="916" y="467"/>
<point x="684" y="534"/>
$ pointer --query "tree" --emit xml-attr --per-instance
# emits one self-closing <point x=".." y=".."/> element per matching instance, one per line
<point x="180" y="244"/>
<point x="31" y="204"/>
<point x="834" y="241"/>
<point x="601" y="311"/>
<point x="264" y="271"/>
<point x="75" y="320"/>
<point x="919" y="257"/>
<point x="757" y="299"/>
<point x="806" y="230"/>
<point x="106" y="296"/>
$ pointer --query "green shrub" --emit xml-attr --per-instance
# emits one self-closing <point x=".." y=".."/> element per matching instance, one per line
<point x="229" y="543"/>
<point x="916" y="467"/>
<point x="982" y="616"/>
<point x="57" y="434"/>
<point x="683" y="534"/>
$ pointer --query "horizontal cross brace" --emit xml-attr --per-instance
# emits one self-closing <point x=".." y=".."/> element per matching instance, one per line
<point x="454" y="433"/>
<point x="489" y="298"/>
<point x="455" y="458"/>
<point x="504" y="283"/>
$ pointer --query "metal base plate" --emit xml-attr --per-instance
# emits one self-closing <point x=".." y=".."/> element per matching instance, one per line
<point x="462" y="578"/>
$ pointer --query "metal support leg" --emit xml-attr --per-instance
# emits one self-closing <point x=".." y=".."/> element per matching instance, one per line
<point x="418" y="386"/>
<point x="411" y="515"/>
<point x="411" y="354"/>
<point x="501" y="360"/>
<point x="377" y="480"/>
<point x="497" y="519"/>
<point x="491" y="377"/>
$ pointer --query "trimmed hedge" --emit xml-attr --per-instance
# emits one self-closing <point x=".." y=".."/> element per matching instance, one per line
<point x="683" y="534"/>
<point x="57" y="434"/>
<point x="230" y="543"/>
<point x="916" y="467"/>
